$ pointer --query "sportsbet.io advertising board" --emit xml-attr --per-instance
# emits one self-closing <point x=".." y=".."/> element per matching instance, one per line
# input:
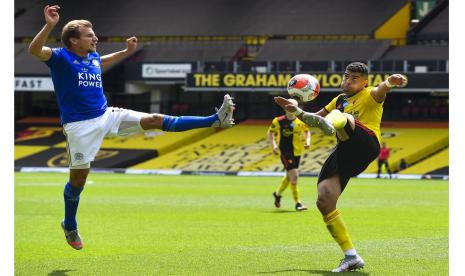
<point x="278" y="81"/>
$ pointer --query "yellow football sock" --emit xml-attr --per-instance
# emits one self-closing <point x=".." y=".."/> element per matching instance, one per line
<point x="295" y="192"/>
<point x="283" y="185"/>
<point x="337" y="119"/>
<point x="338" y="230"/>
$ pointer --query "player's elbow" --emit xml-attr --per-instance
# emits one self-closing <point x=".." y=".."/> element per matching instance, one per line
<point x="33" y="51"/>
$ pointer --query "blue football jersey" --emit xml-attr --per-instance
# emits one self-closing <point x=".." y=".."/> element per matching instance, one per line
<point x="78" y="85"/>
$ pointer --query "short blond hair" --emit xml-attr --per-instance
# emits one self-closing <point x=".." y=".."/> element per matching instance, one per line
<point x="71" y="29"/>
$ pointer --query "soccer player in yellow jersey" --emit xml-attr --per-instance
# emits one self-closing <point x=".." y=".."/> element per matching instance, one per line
<point x="289" y="136"/>
<point x="355" y="116"/>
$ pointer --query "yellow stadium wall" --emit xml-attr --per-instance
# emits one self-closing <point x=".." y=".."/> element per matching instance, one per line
<point x="437" y="161"/>
<point x="396" y="26"/>
<point x="245" y="148"/>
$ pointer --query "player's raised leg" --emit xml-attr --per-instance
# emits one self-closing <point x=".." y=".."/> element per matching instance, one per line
<point x="223" y="118"/>
<point x="343" y="123"/>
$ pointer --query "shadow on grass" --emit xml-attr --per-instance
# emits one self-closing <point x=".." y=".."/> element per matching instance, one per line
<point x="61" y="272"/>
<point x="312" y="271"/>
<point x="279" y="211"/>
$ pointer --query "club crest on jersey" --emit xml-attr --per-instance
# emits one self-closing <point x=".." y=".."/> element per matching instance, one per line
<point x="95" y="63"/>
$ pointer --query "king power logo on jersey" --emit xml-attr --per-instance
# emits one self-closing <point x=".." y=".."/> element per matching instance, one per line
<point x="89" y="80"/>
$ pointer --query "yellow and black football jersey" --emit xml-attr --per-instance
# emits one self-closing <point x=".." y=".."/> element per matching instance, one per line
<point x="363" y="107"/>
<point x="289" y="134"/>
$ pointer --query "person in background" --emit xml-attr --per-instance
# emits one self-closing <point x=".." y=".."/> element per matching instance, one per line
<point x="288" y="136"/>
<point x="383" y="159"/>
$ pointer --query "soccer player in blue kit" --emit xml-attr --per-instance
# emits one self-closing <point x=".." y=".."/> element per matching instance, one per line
<point x="85" y="116"/>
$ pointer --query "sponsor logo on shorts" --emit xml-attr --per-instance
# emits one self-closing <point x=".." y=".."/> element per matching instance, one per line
<point x="78" y="156"/>
<point x="62" y="160"/>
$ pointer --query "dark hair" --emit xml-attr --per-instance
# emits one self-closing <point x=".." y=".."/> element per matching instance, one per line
<point x="71" y="29"/>
<point x="357" y="67"/>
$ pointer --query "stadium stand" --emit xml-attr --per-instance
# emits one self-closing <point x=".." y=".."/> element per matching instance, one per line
<point x="41" y="145"/>
<point x="438" y="28"/>
<point x="20" y="7"/>
<point x="435" y="164"/>
<point x="222" y="17"/>
<point x="434" y="27"/>
<point x="245" y="148"/>
<point x="428" y="39"/>
<point x="283" y="50"/>
<point x="412" y="143"/>
<point x="176" y="51"/>
<point x="25" y="64"/>
<point x="418" y="52"/>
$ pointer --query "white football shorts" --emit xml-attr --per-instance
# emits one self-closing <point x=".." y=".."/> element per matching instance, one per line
<point x="84" y="138"/>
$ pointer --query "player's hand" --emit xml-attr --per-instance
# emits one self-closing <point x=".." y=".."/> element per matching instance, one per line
<point x="275" y="151"/>
<point x="131" y="44"/>
<point x="51" y="14"/>
<point x="397" y="80"/>
<point x="285" y="104"/>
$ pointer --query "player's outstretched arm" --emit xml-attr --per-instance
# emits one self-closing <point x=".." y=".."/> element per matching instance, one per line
<point x="379" y="92"/>
<point x="109" y="59"/>
<point x="37" y="48"/>
<point x="311" y="119"/>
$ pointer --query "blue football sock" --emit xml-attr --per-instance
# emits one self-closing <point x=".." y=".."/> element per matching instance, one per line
<point x="175" y="124"/>
<point x="71" y="196"/>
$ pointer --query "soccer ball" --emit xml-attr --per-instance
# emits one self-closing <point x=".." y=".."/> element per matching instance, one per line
<point x="303" y="87"/>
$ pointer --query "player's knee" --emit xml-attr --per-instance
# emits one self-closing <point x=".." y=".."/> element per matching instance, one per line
<point x="322" y="205"/>
<point x="293" y="175"/>
<point x="350" y="120"/>
<point x="325" y="196"/>
<point x="78" y="180"/>
<point x="325" y="204"/>
<point x="321" y="201"/>
<point x="152" y="121"/>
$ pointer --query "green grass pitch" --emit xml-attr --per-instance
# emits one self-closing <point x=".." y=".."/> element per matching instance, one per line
<point x="219" y="225"/>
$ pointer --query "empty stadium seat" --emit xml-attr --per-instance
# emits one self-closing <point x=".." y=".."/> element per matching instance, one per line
<point x="280" y="50"/>
<point x="438" y="28"/>
<point x="418" y="52"/>
<point x="183" y="51"/>
<point x="216" y="17"/>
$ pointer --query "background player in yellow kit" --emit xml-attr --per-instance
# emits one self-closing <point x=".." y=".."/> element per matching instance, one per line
<point x="355" y="115"/>
<point x="288" y="137"/>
